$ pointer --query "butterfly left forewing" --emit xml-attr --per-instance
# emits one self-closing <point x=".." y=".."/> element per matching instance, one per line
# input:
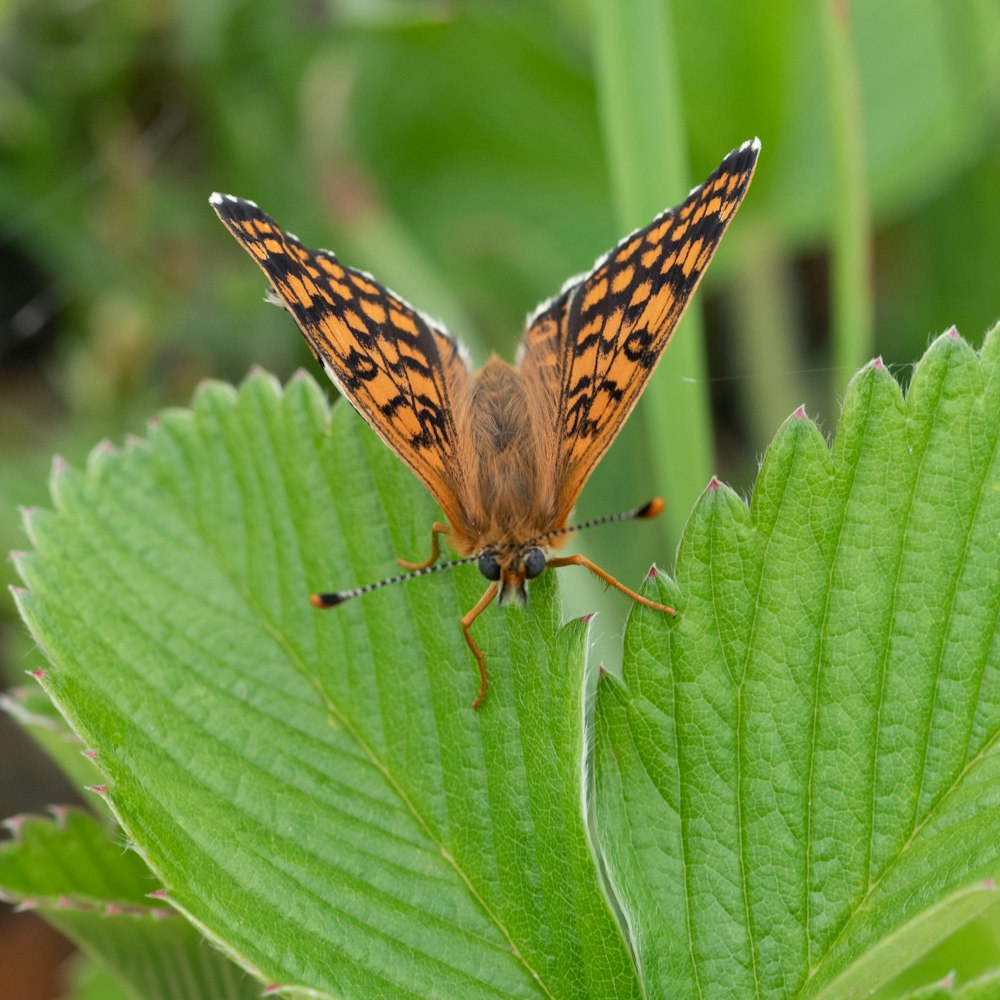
<point x="593" y="347"/>
<point x="399" y="370"/>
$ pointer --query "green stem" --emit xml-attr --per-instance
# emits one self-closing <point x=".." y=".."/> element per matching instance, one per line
<point x="851" y="284"/>
<point x="642" y="118"/>
<point x="763" y="318"/>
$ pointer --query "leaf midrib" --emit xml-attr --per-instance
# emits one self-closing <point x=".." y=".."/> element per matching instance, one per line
<point x="349" y="727"/>
<point x="745" y="866"/>
<point x="842" y="507"/>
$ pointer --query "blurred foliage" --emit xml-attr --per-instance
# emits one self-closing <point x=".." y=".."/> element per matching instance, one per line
<point x="455" y="150"/>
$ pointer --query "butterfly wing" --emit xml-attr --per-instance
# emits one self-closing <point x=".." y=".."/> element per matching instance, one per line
<point x="397" y="368"/>
<point x="594" y="346"/>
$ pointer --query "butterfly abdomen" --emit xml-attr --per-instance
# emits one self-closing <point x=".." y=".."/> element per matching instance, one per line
<point x="506" y="487"/>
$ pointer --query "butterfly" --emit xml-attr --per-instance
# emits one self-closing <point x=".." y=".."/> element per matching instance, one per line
<point x="505" y="450"/>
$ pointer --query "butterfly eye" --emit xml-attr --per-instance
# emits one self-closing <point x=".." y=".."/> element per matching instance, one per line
<point x="534" y="563"/>
<point x="489" y="565"/>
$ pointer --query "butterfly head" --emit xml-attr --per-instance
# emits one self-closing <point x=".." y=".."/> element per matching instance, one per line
<point x="512" y="568"/>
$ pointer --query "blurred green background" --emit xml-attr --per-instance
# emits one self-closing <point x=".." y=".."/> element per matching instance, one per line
<point x="473" y="156"/>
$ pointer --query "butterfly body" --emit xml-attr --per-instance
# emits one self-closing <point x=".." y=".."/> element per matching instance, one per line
<point x="504" y="496"/>
<point x="506" y="450"/>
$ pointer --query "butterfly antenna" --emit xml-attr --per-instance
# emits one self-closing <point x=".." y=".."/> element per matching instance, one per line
<point x="331" y="600"/>
<point x="651" y="509"/>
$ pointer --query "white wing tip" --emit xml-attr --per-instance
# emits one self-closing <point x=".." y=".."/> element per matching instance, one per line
<point x="219" y="198"/>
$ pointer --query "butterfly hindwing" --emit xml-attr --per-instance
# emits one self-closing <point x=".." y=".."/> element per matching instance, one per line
<point x="595" y="345"/>
<point x="398" y="369"/>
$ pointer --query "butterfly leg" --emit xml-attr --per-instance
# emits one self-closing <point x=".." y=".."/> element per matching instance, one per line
<point x="467" y="620"/>
<point x="437" y="528"/>
<point x="583" y="561"/>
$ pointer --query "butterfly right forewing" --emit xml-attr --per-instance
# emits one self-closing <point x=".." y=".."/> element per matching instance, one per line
<point x="594" y="346"/>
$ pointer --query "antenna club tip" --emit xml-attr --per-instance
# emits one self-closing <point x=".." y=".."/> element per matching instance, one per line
<point x="652" y="509"/>
<point x="325" y="600"/>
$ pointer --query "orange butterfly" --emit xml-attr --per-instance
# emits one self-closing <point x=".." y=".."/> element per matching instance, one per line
<point x="505" y="451"/>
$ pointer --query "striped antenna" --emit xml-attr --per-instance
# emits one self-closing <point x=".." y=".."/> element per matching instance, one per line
<point x="651" y="509"/>
<point x="331" y="600"/>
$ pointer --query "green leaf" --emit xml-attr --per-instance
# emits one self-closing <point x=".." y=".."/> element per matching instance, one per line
<point x="798" y="784"/>
<point x="82" y="882"/>
<point x="31" y="708"/>
<point x="88" y="981"/>
<point x="795" y="783"/>
<point x="982" y="988"/>
<point x="313" y="789"/>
